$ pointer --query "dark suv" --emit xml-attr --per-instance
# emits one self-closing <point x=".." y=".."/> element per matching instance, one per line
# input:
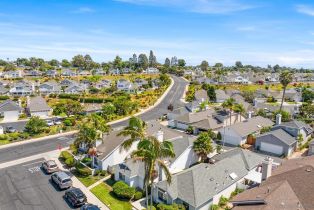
<point x="75" y="196"/>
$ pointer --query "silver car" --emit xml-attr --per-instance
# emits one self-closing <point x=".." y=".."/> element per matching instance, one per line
<point x="50" y="166"/>
<point x="62" y="180"/>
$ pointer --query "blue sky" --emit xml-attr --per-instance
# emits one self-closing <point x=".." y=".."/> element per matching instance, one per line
<point x="254" y="31"/>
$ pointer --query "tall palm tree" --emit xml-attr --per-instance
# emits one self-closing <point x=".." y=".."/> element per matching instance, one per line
<point x="239" y="108"/>
<point x="87" y="135"/>
<point x="135" y="130"/>
<point x="152" y="152"/>
<point x="98" y="122"/>
<point x="228" y="104"/>
<point x="285" y="79"/>
<point x="202" y="146"/>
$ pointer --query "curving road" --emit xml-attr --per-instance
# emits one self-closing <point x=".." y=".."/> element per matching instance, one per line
<point x="32" y="148"/>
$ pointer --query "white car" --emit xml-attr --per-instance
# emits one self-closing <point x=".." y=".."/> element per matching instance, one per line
<point x="49" y="122"/>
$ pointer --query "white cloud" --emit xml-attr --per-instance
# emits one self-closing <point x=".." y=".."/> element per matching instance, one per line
<point x="83" y="10"/>
<point x="197" y="6"/>
<point x="305" y="9"/>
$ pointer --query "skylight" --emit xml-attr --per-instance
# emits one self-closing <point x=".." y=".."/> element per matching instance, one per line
<point x="233" y="176"/>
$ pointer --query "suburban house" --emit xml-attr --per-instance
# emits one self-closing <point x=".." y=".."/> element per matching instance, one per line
<point x="295" y="128"/>
<point x="289" y="187"/>
<point x="51" y="73"/>
<point x="84" y="73"/>
<point x="99" y="72"/>
<point x="176" y="113"/>
<point x="201" y="96"/>
<point x="10" y="111"/>
<point x="114" y="71"/>
<point x="140" y="82"/>
<point x="75" y="89"/>
<point x="33" y="73"/>
<point x="12" y="74"/>
<point x="239" y="133"/>
<point x="37" y="106"/>
<point x="51" y="87"/>
<point x="127" y="86"/>
<point x="67" y="82"/>
<point x="209" y="119"/>
<point x="68" y="73"/>
<point x="22" y="88"/>
<point x="151" y="70"/>
<point x="202" y="185"/>
<point x="4" y="90"/>
<point x="277" y="142"/>
<point x="221" y="96"/>
<point x="105" y="83"/>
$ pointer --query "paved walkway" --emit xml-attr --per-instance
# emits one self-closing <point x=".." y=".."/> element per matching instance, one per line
<point x="99" y="182"/>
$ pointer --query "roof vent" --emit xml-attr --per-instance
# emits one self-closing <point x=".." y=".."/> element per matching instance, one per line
<point x="211" y="179"/>
<point x="308" y="170"/>
<point x="233" y="176"/>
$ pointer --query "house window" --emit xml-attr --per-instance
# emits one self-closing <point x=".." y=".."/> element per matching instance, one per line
<point x="162" y="195"/>
<point x="121" y="176"/>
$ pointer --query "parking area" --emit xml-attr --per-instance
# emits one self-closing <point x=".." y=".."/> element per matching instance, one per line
<point x="27" y="187"/>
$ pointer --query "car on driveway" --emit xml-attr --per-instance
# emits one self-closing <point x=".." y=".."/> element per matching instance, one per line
<point x="89" y="206"/>
<point x="75" y="197"/>
<point x="49" y="122"/>
<point x="50" y="166"/>
<point x="10" y="129"/>
<point x="62" y="180"/>
<point x="57" y="121"/>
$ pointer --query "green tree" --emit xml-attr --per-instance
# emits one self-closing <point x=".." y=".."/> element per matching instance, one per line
<point x="96" y="121"/>
<point x="285" y="116"/>
<point x="211" y="93"/>
<point x="118" y="63"/>
<point x="229" y="104"/>
<point x="203" y="146"/>
<point x="87" y="135"/>
<point x="204" y="66"/>
<point x="78" y="61"/>
<point x="65" y="63"/>
<point x="135" y="131"/>
<point x="167" y="63"/>
<point x="238" y="64"/>
<point x="143" y="61"/>
<point x="9" y="67"/>
<point x="285" y="79"/>
<point x="54" y="63"/>
<point x="239" y="108"/>
<point x="108" y="110"/>
<point x="152" y="59"/>
<point x="153" y="153"/>
<point x="262" y="113"/>
<point x="68" y="107"/>
<point x="307" y="95"/>
<point x="35" y="126"/>
<point x="181" y="63"/>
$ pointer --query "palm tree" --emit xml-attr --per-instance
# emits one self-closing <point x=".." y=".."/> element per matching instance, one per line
<point x="202" y="146"/>
<point x="239" y="108"/>
<point x="228" y="104"/>
<point x="87" y="135"/>
<point x="203" y="105"/>
<point x="98" y="122"/>
<point x="285" y="79"/>
<point x="135" y="130"/>
<point x="152" y="152"/>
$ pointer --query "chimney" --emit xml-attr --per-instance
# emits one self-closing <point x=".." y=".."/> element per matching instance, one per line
<point x="267" y="168"/>
<point x="278" y="119"/>
<point x="160" y="135"/>
<point x="249" y="115"/>
<point x="28" y="100"/>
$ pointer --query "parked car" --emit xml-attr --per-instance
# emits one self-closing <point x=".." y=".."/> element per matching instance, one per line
<point x="57" y="121"/>
<point x="50" y="166"/>
<point x="89" y="206"/>
<point x="49" y="122"/>
<point x="10" y="129"/>
<point x="75" y="196"/>
<point x="62" y="180"/>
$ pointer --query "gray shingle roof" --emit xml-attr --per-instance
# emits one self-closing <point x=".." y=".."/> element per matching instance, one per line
<point x="279" y="135"/>
<point x="180" y="145"/>
<point x="9" y="105"/>
<point x="37" y="104"/>
<point x="195" y="117"/>
<point x="200" y="183"/>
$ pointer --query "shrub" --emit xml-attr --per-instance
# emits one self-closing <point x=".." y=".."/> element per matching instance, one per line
<point x="67" y="122"/>
<point x="4" y="97"/>
<point x="14" y="136"/>
<point x="150" y="208"/>
<point x="65" y="155"/>
<point x="138" y="195"/>
<point x="223" y="201"/>
<point x="174" y="206"/>
<point x="83" y="170"/>
<point x="70" y="162"/>
<point x="86" y="160"/>
<point x="122" y="190"/>
<point x="214" y="207"/>
<point x="4" y="137"/>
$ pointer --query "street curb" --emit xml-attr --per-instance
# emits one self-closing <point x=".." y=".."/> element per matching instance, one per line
<point x="149" y="108"/>
<point x="37" y="139"/>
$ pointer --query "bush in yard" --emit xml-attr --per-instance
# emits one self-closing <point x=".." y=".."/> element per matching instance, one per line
<point x="67" y="122"/>
<point x="122" y="190"/>
<point x="223" y="201"/>
<point x="138" y="195"/>
<point x="35" y="126"/>
<point x="65" y="155"/>
<point x="214" y="207"/>
<point x="82" y="170"/>
<point x="174" y="206"/>
<point x="86" y="160"/>
<point x="70" y="162"/>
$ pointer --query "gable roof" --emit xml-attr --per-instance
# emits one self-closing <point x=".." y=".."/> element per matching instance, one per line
<point x="37" y="104"/>
<point x="201" y="95"/>
<point x="298" y="125"/>
<point x="9" y="105"/>
<point x="250" y="126"/>
<point x="279" y="135"/>
<point x="195" y="117"/>
<point x="200" y="183"/>
<point x="294" y="177"/>
<point x="180" y="145"/>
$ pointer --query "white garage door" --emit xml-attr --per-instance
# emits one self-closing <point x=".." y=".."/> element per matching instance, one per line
<point x="275" y="149"/>
<point x="10" y="116"/>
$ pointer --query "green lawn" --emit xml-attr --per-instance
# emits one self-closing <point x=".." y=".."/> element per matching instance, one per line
<point x="3" y="142"/>
<point x="103" y="192"/>
<point x="88" y="180"/>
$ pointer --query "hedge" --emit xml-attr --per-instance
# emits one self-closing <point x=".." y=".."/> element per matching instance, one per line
<point x="174" y="206"/>
<point x="69" y="96"/>
<point x="138" y="195"/>
<point x="122" y="190"/>
<point x="65" y="155"/>
<point x="4" y="97"/>
<point x="93" y="100"/>
<point x="83" y="170"/>
<point x="70" y="162"/>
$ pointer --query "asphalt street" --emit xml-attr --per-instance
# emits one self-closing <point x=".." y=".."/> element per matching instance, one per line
<point x="27" y="187"/>
<point x="29" y="149"/>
